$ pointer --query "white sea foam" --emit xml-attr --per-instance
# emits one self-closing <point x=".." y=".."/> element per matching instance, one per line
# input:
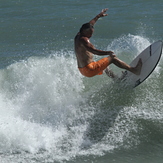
<point x="130" y="44"/>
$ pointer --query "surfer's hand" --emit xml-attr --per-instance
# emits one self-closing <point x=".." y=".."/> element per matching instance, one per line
<point x="111" y="54"/>
<point x="102" y="13"/>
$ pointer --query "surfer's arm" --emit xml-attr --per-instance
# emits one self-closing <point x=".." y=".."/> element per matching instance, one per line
<point x="101" y="14"/>
<point x="90" y="48"/>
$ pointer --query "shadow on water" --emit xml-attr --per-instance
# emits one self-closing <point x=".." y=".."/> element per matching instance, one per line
<point x="108" y="102"/>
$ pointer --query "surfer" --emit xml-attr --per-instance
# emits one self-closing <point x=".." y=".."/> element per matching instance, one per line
<point x="84" y="53"/>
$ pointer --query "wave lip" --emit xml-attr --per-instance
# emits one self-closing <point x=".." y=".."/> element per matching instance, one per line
<point x="130" y="44"/>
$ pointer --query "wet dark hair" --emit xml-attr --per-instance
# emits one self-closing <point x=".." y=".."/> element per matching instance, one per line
<point x="86" y="26"/>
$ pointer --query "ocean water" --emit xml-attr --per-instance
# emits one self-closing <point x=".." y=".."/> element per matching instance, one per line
<point x="49" y="112"/>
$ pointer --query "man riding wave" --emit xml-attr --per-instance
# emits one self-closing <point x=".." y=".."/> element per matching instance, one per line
<point x="85" y="51"/>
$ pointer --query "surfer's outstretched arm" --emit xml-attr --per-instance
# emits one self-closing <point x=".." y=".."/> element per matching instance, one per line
<point x="101" y="14"/>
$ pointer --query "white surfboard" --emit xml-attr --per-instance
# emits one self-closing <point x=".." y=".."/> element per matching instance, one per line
<point x="150" y="58"/>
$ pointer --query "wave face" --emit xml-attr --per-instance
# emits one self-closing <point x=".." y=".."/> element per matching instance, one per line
<point x="51" y="112"/>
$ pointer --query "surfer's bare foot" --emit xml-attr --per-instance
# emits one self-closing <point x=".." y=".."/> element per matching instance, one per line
<point x="137" y="69"/>
<point x="110" y="73"/>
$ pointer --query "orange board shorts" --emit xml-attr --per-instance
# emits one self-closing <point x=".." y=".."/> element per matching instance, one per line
<point x="95" y="68"/>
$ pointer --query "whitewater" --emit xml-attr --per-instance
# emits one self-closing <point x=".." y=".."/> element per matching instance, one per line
<point x="51" y="112"/>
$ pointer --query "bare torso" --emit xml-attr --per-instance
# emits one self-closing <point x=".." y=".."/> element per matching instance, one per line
<point x="84" y="57"/>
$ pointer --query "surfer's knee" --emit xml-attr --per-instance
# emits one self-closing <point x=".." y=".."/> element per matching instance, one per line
<point x="113" y="59"/>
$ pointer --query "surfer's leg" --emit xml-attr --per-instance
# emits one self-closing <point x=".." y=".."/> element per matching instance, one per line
<point x="136" y="70"/>
<point x="110" y="73"/>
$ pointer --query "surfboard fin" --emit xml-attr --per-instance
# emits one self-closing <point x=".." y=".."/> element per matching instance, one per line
<point x="137" y="83"/>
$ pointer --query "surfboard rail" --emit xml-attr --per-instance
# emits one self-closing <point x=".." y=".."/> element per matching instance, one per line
<point x="150" y="58"/>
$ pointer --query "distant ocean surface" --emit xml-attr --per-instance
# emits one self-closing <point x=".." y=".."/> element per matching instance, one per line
<point x="49" y="112"/>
